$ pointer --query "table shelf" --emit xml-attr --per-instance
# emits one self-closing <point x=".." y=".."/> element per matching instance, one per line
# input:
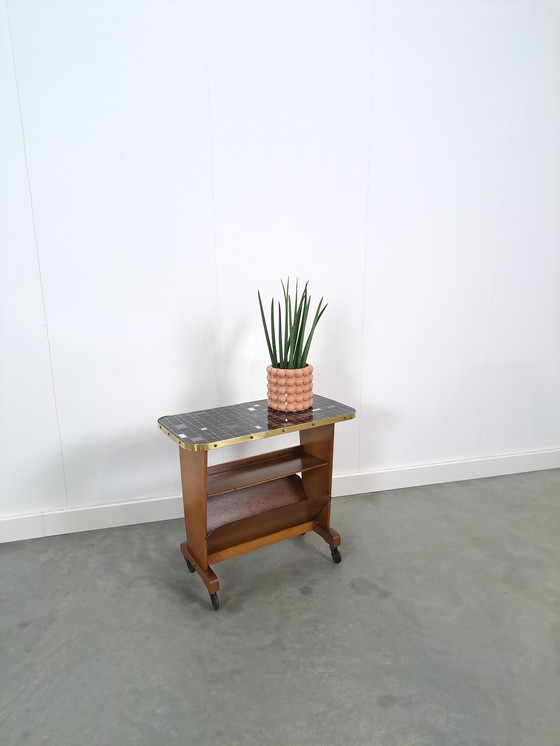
<point x="266" y="467"/>
<point x="262" y="513"/>
<point x="260" y="498"/>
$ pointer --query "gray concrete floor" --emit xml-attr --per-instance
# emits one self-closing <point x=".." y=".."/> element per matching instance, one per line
<point x="441" y="626"/>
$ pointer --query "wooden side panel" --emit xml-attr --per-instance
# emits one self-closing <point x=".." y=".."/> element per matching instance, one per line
<point x="318" y="442"/>
<point x="194" y="480"/>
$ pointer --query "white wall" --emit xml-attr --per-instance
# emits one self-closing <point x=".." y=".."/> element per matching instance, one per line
<point x="160" y="161"/>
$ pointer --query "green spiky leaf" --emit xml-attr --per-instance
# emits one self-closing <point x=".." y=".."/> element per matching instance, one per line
<point x="286" y="340"/>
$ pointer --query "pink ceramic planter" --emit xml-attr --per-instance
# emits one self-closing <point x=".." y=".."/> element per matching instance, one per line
<point x="290" y="390"/>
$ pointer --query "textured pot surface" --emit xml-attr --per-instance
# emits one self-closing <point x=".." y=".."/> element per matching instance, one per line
<point x="290" y="390"/>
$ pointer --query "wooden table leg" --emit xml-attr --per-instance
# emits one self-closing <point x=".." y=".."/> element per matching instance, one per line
<point x="208" y="575"/>
<point x="331" y="536"/>
<point x="319" y="442"/>
<point x="194" y="482"/>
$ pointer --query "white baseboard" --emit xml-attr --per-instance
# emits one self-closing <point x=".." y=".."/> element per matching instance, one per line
<point x="73" y="520"/>
<point x="450" y="471"/>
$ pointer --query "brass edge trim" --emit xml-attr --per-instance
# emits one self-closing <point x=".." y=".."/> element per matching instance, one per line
<point x="255" y="436"/>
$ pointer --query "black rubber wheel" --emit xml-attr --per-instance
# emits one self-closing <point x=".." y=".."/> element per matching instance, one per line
<point x="215" y="601"/>
<point x="191" y="567"/>
<point x="336" y="556"/>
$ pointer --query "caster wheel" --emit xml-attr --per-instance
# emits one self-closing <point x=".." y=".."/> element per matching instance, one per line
<point x="336" y="556"/>
<point x="215" y="601"/>
<point x="189" y="565"/>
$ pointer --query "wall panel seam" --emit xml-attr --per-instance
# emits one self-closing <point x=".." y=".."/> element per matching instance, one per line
<point x="37" y="253"/>
<point x="213" y="199"/>
<point x="366" y="229"/>
<point x="497" y="248"/>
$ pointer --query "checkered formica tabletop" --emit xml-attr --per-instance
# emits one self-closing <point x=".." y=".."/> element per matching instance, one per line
<point x="224" y="426"/>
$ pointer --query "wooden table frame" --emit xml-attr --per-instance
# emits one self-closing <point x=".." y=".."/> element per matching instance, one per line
<point x="242" y="505"/>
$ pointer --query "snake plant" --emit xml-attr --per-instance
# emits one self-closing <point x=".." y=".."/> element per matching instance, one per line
<point x="285" y="337"/>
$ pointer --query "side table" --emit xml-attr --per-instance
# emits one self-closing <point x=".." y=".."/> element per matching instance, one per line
<point x="242" y="505"/>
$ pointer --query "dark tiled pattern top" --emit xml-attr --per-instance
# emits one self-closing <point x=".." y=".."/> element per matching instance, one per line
<point x="201" y="430"/>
